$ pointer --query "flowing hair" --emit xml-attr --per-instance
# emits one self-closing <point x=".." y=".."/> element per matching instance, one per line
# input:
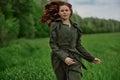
<point x="51" y="11"/>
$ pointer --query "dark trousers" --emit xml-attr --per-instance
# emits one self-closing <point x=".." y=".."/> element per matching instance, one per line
<point x="65" y="72"/>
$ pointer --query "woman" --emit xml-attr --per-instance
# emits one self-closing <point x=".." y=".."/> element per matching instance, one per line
<point x="67" y="50"/>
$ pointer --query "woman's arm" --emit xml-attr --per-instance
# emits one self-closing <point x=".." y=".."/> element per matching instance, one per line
<point x="53" y="42"/>
<point x="84" y="53"/>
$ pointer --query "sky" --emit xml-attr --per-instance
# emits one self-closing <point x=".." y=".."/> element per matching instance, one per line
<point x="108" y="9"/>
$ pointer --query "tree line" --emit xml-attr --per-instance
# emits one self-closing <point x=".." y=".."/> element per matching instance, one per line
<point x="96" y="25"/>
<point x="21" y="19"/>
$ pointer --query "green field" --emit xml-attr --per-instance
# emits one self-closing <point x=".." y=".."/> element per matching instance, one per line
<point x="25" y="59"/>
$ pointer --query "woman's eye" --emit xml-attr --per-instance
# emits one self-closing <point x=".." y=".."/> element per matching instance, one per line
<point x="62" y="10"/>
<point x="66" y="10"/>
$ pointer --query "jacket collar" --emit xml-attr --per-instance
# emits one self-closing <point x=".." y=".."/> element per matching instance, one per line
<point x="72" y="23"/>
<point x="60" y="20"/>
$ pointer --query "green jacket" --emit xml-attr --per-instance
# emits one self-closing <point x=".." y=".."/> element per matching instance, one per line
<point x="64" y="39"/>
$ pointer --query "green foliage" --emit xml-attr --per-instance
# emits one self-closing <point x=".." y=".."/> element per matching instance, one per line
<point x="27" y="28"/>
<point x="17" y="19"/>
<point x="9" y="29"/>
<point x="96" y="25"/>
<point x="23" y="10"/>
<point x="42" y="30"/>
<point x="27" y="59"/>
<point x="27" y="14"/>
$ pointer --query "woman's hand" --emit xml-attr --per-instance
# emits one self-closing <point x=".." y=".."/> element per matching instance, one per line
<point x="96" y="61"/>
<point x="69" y="61"/>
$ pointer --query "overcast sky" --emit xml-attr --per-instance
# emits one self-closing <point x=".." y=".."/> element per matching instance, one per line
<point x="108" y="9"/>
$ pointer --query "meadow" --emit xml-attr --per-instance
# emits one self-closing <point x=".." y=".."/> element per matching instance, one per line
<point x="29" y="59"/>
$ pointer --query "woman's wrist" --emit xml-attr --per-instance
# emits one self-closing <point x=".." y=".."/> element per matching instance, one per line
<point x="96" y="60"/>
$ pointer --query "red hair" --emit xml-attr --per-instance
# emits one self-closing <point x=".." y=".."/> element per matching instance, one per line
<point x="50" y="13"/>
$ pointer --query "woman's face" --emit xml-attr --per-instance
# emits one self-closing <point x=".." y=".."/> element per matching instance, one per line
<point x="64" y="12"/>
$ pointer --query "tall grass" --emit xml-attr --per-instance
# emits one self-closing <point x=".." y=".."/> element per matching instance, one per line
<point x="30" y="59"/>
<point x="107" y="48"/>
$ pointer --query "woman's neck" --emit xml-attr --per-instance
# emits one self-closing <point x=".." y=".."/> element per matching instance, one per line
<point x="67" y="22"/>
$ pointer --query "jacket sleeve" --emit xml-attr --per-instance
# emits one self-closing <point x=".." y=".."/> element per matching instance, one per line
<point x="83" y="52"/>
<point x="53" y="42"/>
